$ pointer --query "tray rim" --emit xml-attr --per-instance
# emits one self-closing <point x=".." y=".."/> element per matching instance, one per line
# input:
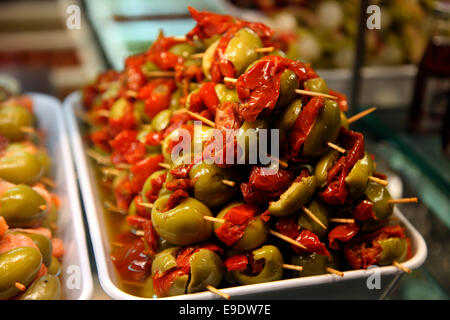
<point x="74" y="205"/>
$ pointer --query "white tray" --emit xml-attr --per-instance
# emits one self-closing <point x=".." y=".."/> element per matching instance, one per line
<point x="352" y="286"/>
<point x="76" y="275"/>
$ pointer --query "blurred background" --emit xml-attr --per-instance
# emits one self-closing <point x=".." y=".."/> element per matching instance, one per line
<point x="402" y="68"/>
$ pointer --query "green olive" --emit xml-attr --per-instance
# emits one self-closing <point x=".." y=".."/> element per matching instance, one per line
<point x="147" y="290"/>
<point x="184" y="224"/>
<point x="278" y="53"/>
<point x="209" y="188"/>
<point x="43" y="243"/>
<point x="21" y="206"/>
<point x="18" y="265"/>
<point x="321" y="212"/>
<point x="45" y="161"/>
<point x="148" y="184"/>
<point x="225" y="94"/>
<point x="241" y="49"/>
<point x="51" y="219"/>
<point x="47" y="287"/>
<point x="273" y="266"/>
<point x="208" y="59"/>
<point x="325" y="129"/>
<point x="313" y="264"/>
<point x="206" y="269"/>
<point x="247" y="138"/>
<point x="12" y="119"/>
<point x="294" y="198"/>
<point x="379" y="196"/>
<point x="288" y="85"/>
<point x="359" y="175"/>
<point x="139" y="111"/>
<point x="324" y="165"/>
<point x="255" y="233"/>
<point x="55" y="267"/>
<point x="21" y="167"/>
<point x="148" y="67"/>
<point x="393" y="249"/>
<point x="344" y="120"/>
<point x="183" y="49"/>
<point x="119" y="109"/>
<point x="287" y="119"/>
<point x="175" y="99"/>
<point x="161" y="120"/>
<point x="316" y="85"/>
<point x="166" y="260"/>
<point x="201" y="135"/>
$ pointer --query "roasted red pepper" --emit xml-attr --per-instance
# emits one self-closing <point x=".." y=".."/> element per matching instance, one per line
<point x="236" y="263"/>
<point x="336" y="191"/>
<point x="130" y="259"/>
<point x="343" y="232"/>
<point x="364" y="211"/>
<point x="259" y="88"/>
<point x="265" y="186"/>
<point x="157" y="95"/>
<point x="365" y="250"/>
<point x="236" y="221"/>
<point x="289" y="227"/>
<point x="175" y="199"/>
<point x="141" y="170"/>
<point x="163" y="280"/>
<point x="304" y="124"/>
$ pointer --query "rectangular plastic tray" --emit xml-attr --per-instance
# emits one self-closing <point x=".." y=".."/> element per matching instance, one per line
<point x="352" y="286"/>
<point x="76" y="275"/>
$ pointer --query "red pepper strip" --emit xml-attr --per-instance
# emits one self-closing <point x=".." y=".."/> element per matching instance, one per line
<point x="265" y="180"/>
<point x="142" y="170"/>
<point x="343" y="232"/>
<point x="135" y="77"/>
<point x="185" y="74"/>
<point x="185" y="184"/>
<point x="236" y="221"/>
<point x="127" y="148"/>
<point x="227" y="116"/>
<point x="365" y="250"/>
<point x="158" y="53"/>
<point x="130" y="259"/>
<point x="123" y="194"/>
<point x="141" y="210"/>
<point x="99" y="138"/>
<point x="137" y="222"/>
<point x="263" y="187"/>
<point x="206" y="97"/>
<point x="236" y="263"/>
<point x="185" y="143"/>
<point x="175" y="199"/>
<point x="163" y="280"/>
<point x="265" y="216"/>
<point x="304" y="124"/>
<point x="126" y="122"/>
<point x="157" y="95"/>
<point x="364" y="211"/>
<point x="209" y="24"/>
<point x="182" y="171"/>
<point x="151" y="237"/>
<point x="311" y="242"/>
<point x="341" y="100"/>
<point x="336" y="191"/>
<point x="289" y="227"/>
<point x="157" y="184"/>
<point x="259" y="88"/>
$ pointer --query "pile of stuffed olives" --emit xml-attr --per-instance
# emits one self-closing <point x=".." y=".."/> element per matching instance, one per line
<point x="30" y="252"/>
<point x="187" y="220"/>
